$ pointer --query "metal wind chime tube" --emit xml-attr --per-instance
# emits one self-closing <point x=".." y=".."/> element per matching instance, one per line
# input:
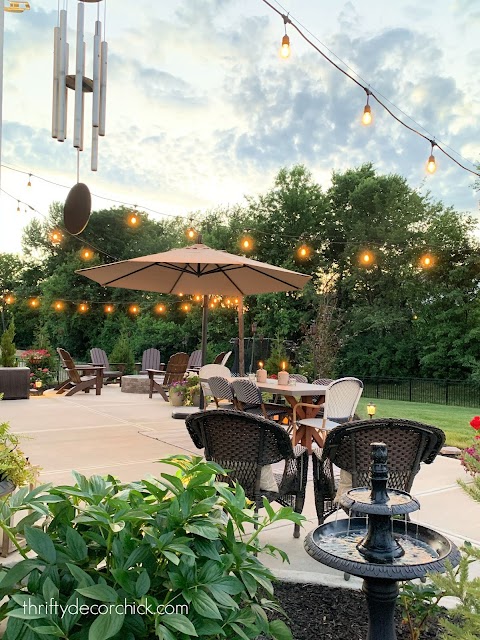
<point x="97" y="44"/>
<point x="103" y="89"/>
<point x="62" y="79"/>
<point x="79" y="82"/>
<point x="80" y="59"/>
<point x="56" y="73"/>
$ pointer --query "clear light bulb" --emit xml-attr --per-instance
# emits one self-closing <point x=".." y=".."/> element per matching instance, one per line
<point x="285" y="49"/>
<point x="431" y="164"/>
<point x="367" y="115"/>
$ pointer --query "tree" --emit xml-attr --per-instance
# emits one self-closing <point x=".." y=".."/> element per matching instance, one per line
<point x="8" y="347"/>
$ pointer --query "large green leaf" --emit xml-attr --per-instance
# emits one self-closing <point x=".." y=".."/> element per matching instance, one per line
<point x="76" y="545"/>
<point x="100" y="592"/>
<point x="17" y="573"/>
<point x="41" y="543"/>
<point x="204" y="605"/>
<point x="180" y="623"/>
<point x="279" y="630"/>
<point x="106" y="625"/>
<point x="82" y="578"/>
<point x="142" y="585"/>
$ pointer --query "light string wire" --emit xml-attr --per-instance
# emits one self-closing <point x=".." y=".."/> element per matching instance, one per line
<point x="304" y="238"/>
<point x="368" y="91"/>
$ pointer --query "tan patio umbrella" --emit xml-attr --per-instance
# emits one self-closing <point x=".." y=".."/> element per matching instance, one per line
<point x="197" y="269"/>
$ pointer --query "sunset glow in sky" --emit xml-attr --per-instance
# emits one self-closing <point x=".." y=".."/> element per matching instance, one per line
<point x="202" y="111"/>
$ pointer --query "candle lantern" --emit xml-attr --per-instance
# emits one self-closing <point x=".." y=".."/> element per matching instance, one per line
<point x="371" y="409"/>
<point x="261" y="373"/>
<point x="283" y="375"/>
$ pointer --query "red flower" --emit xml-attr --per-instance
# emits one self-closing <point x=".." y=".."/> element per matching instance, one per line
<point x="475" y="423"/>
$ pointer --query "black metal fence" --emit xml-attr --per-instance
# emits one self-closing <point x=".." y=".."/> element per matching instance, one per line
<point x="258" y="349"/>
<point x="457" y="393"/>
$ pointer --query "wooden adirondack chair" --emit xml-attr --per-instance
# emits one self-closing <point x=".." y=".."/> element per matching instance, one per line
<point x="92" y="376"/>
<point x="99" y="357"/>
<point x="195" y="361"/>
<point x="161" y="380"/>
<point x="151" y="359"/>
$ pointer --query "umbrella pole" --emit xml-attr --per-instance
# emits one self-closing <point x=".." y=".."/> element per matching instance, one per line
<point x="241" y="339"/>
<point x="204" y="343"/>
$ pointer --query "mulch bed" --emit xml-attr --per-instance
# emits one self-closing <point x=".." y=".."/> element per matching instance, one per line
<point x="317" y="612"/>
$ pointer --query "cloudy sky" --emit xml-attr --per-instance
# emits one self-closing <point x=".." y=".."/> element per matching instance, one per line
<point x="201" y="111"/>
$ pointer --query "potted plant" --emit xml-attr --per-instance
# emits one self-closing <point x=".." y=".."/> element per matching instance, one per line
<point x="15" y="469"/>
<point x="42" y="376"/>
<point x="177" y="392"/>
<point x="192" y="395"/>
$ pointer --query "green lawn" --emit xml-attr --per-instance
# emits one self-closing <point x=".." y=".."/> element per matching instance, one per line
<point x="453" y="420"/>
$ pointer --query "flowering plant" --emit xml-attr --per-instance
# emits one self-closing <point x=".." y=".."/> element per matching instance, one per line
<point x="471" y="455"/>
<point x="193" y="388"/>
<point x="178" y="387"/>
<point x="39" y="363"/>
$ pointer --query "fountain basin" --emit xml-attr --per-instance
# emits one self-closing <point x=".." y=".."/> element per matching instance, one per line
<point x="335" y="545"/>
<point x="398" y="502"/>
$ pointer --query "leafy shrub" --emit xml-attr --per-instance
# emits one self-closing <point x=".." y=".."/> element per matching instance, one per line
<point x="122" y="352"/>
<point x="184" y="540"/>
<point x="421" y="603"/>
<point x="7" y="346"/>
<point x="14" y="466"/>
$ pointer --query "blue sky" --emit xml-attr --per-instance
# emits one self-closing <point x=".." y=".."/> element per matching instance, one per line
<point x="202" y="111"/>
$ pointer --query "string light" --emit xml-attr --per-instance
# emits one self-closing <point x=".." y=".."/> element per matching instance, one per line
<point x="431" y="164"/>
<point x="160" y="308"/>
<point x="191" y="233"/>
<point x="56" y="237"/>
<point x="367" y="258"/>
<point x="133" y="218"/>
<point x="86" y="254"/>
<point x="303" y="252"/>
<point x="198" y="298"/>
<point x="368" y="91"/>
<point x="246" y="242"/>
<point x="367" y="111"/>
<point x="9" y="299"/>
<point x="18" y="206"/>
<point x="109" y="308"/>
<point x="186" y="307"/>
<point x="427" y="261"/>
<point x="34" y="303"/>
<point x="83" y="307"/>
<point x="134" y="309"/>
<point x="58" y="306"/>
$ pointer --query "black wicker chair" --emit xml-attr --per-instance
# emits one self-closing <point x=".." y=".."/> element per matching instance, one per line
<point x="348" y="447"/>
<point x="243" y="444"/>
<point x="249" y="399"/>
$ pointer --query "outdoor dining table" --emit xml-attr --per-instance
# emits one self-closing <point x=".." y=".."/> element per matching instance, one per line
<point x="293" y="394"/>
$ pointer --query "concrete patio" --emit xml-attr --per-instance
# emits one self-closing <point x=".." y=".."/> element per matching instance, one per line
<point x="125" y="434"/>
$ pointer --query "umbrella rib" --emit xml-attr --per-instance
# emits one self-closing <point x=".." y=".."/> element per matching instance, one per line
<point x="228" y="278"/>
<point x="125" y="275"/>
<point x="289" y="284"/>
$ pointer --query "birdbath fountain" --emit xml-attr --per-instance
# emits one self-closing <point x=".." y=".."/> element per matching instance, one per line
<point x="378" y="548"/>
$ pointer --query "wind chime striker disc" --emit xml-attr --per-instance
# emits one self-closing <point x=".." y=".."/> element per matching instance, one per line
<point x="78" y="206"/>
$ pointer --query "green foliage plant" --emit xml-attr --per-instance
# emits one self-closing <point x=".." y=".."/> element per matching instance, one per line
<point x="123" y="353"/>
<point x="420" y="603"/>
<point x="471" y="461"/>
<point x="278" y="355"/>
<point x="14" y="466"/>
<point x="169" y="558"/>
<point x="7" y="347"/>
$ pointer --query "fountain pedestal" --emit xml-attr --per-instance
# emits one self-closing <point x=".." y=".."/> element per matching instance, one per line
<point x="378" y="548"/>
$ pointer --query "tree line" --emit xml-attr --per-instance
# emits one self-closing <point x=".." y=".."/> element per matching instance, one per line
<point x="389" y="317"/>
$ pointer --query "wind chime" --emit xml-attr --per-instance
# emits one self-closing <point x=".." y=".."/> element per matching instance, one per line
<point x="78" y="203"/>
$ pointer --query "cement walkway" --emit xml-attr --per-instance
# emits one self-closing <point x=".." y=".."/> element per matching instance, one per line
<point x="125" y="434"/>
